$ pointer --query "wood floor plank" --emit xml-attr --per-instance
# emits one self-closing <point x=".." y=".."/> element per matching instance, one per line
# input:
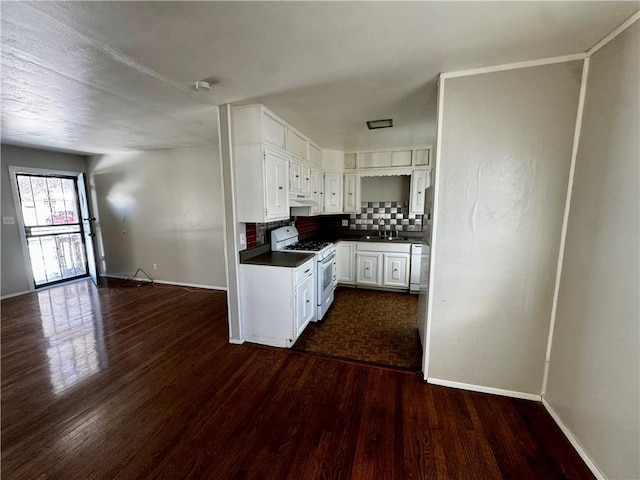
<point x="130" y="382"/>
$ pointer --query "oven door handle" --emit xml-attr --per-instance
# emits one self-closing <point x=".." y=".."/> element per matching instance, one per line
<point x="329" y="259"/>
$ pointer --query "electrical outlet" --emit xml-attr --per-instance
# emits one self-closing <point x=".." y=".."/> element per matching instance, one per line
<point x="345" y="223"/>
<point x="155" y="266"/>
<point x="8" y="220"/>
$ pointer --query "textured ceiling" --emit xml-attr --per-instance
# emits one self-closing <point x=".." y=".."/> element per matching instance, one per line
<point x="109" y="76"/>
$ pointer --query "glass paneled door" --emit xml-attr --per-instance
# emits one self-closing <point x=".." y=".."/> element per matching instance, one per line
<point x="53" y="227"/>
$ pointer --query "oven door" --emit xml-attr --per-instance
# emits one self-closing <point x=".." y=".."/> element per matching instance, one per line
<point x="325" y="278"/>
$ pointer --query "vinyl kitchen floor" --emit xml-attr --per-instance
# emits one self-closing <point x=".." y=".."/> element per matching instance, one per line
<point x="370" y="326"/>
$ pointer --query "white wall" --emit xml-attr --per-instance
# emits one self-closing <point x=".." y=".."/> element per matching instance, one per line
<point x="14" y="275"/>
<point x="504" y="162"/>
<point x="594" y="374"/>
<point x="163" y="207"/>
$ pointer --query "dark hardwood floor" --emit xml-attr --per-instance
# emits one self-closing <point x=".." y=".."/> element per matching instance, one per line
<point x="125" y="382"/>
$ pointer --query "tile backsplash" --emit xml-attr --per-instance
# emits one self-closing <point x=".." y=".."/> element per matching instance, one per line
<point x="396" y="217"/>
<point x="260" y="233"/>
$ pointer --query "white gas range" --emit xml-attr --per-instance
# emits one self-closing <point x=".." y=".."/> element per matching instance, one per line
<point x="286" y="239"/>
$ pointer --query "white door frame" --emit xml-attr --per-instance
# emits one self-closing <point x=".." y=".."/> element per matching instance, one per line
<point x="13" y="170"/>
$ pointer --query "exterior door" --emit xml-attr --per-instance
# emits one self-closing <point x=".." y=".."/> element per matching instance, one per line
<point x="53" y="229"/>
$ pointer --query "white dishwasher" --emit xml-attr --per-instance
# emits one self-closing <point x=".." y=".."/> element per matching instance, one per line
<point x="414" y="276"/>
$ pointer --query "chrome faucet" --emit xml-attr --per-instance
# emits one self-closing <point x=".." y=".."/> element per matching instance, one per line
<point x="382" y="232"/>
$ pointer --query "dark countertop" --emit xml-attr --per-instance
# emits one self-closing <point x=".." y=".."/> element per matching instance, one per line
<point x="278" y="259"/>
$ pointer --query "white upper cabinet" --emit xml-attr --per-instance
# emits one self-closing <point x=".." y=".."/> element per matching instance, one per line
<point x="350" y="161"/>
<point x="315" y="154"/>
<point x="423" y="157"/>
<point x="374" y="159"/>
<point x="401" y="158"/>
<point x="295" y="176"/>
<point x="389" y="161"/>
<point x="332" y="193"/>
<point x="255" y="124"/>
<point x="277" y="195"/>
<point x="306" y="180"/>
<point x="317" y="191"/>
<point x="419" y="183"/>
<point x="297" y="145"/>
<point x="262" y="182"/>
<point x="351" y="193"/>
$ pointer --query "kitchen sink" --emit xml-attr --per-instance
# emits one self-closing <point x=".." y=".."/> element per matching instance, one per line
<point x="377" y="238"/>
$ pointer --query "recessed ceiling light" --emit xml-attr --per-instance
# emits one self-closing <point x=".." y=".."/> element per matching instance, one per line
<point x="375" y="124"/>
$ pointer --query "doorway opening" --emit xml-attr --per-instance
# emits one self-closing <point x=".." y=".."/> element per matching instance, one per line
<point x="53" y="227"/>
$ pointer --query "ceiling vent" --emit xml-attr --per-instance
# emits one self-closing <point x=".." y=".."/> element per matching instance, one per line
<point x="375" y="124"/>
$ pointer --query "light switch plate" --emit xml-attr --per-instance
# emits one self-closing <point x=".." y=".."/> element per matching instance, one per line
<point x="8" y="220"/>
<point x="243" y="239"/>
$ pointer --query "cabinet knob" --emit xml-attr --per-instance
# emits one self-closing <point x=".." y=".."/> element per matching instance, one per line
<point x="279" y="188"/>
<point x="308" y="301"/>
<point x="307" y="178"/>
<point x="333" y="194"/>
<point x="395" y="269"/>
<point x="350" y="193"/>
<point x="297" y="176"/>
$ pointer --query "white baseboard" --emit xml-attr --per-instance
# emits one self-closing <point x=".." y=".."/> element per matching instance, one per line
<point x="11" y="295"/>
<point x="164" y="282"/>
<point x="574" y="441"/>
<point x="236" y="341"/>
<point x="483" y="389"/>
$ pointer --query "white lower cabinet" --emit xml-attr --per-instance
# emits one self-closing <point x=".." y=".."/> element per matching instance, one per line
<point x="396" y="270"/>
<point x="277" y="302"/>
<point x="368" y="268"/>
<point x="383" y="264"/>
<point x="304" y="298"/>
<point x="346" y="262"/>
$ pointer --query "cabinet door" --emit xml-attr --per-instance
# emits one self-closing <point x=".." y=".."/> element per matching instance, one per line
<point x="315" y="154"/>
<point x="295" y="176"/>
<point x="297" y="145"/>
<point x="317" y="189"/>
<point x="419" y="183"/>
<point x="396" y="270"/>
<point x="374" y="159"/>
<point x="346" y="262"/>
<point x="276" y="181"/>
<point x="306" y="179"/>
<point x="273" y="131"/>
<point x="304" y="295"/>
<point x="350" y="161"/>
<point x="368" y="268"/>
<point x="401" y="158"/>
<point x="351" y="193"/>
<point x="333" y="193"/>
<point x="423" y="157"/>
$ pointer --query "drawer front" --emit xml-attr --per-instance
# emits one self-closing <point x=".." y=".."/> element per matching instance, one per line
<point x="304" y="270"/>
<point x="382" y="247"/>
